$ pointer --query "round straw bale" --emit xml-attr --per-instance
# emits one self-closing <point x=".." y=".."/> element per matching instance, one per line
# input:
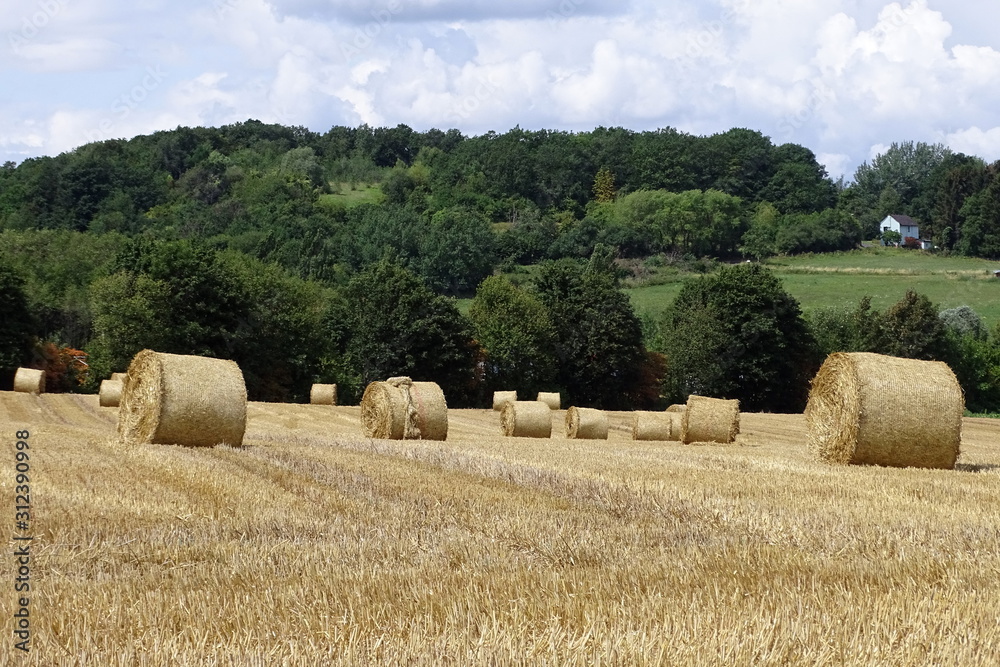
<point x="111" y="393"/>
<point x="401" y="409"/>
<point x="586" y="424"/>
<point x="656" y="426"/>
<point x="872" y="409"/>
<point x="677" y="407"/>
<point x="550" y="399"/>
<point x="183" y="400"/>
<point x="29" y="380"/>
<point x="526" y="419"/>
<point x="120" y="377"/>
<point x="502" y="397"/>
<point x="710" y="420"/>
<point x="323" y="394"/>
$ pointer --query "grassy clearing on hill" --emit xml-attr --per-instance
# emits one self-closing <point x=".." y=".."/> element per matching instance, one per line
<point x="350" y="195"/>
<point x="842" y="279"/>
<point x="311" y="545"/>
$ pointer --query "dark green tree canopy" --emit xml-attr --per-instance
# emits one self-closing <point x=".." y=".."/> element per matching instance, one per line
<point x="398" y="326"/>
<point x="599" y="338"/>
<point x="16" y="322"/>
<point x="517" y="337"/>
<point x="738" y="334"/>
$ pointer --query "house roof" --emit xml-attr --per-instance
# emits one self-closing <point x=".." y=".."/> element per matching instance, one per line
<point x="904" y="220"/>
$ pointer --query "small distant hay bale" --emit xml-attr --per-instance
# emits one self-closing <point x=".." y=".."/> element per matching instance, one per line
<point x="323" y="394"/>
<point x="869" y="408"/>
<point x="710" y="420"/>
<point x="586" y="424"/>
<point x="401" y="409"/>
<point x="111" y="393"/>
<point x="656" y="426"/>
<point x="526" y="419"/>
<point x="501" y="398"/>
<point x="179" y="399"/>
<point x="551" y="399"/>
<point x="677" y="407"/>
<point x="29" y="381"/>
<point x="120" y="377"/>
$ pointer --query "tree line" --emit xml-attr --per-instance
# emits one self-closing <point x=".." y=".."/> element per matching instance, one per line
<point x="567" y="327"/>
<point x="281" y="248"/>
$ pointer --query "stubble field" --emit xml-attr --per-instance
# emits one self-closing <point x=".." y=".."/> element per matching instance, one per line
<point x="312" y="545"/>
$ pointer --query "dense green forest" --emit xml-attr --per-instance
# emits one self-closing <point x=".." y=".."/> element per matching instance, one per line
<point x="332" y="257"/>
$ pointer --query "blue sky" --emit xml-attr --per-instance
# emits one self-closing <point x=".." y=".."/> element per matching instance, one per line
<point x="845" y="78"/>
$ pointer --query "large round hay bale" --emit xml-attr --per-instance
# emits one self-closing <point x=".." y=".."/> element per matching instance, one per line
<point x="586" y="424"/>
<point x="401" y="409"/>
<point x="526" y="419"/>
<point x="710" y="420"/>
<point x="323" y="394"/>
<point x="178" y="399"/>
<point x="29" y="381"/>
<point x="501" y="398"/>
<point x="120" y="377"/>
<point x="111" y="393"/>
<point x="551" y="399"/>
<point x="872" y="409"/>
<point x="656" y="426"/>
<point x="677" y="407"/>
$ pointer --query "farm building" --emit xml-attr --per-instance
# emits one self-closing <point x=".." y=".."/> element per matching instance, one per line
<point x="907" y="228"/>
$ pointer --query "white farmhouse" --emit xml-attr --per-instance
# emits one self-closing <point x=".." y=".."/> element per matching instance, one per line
<point x="906" y="226"/>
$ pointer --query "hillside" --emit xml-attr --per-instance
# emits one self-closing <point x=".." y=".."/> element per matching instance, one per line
<point x="841" y="279"/>
<point x="312" y="545"/>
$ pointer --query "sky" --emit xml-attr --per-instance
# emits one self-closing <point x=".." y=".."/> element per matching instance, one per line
<point x="845" y="78"/>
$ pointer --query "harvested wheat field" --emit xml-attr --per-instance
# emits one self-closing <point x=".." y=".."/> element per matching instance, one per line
<point x="312" y="545"/>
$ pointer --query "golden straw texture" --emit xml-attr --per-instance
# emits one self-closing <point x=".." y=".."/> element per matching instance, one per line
<point x="586" y="424"/>
<point x="183" y="400"/>
<point x="500" y="398"/>
<point x="400" y="409"/>
<point x="526" y="419"/>
<point x="120" y="377"/>
<point x="323" y="394"/>
<point x="656" y="426"/>
<point x="873" y="409"/>
<point x="29" y="381"/>
<point x="551" y="399"/>
<point x="710" y="420"/>
<point x="677" y="407"/>
<point x="111" y="393"/>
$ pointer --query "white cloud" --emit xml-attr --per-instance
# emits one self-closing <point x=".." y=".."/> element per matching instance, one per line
<point x="974" y="141"/>
<point x="838" y="77"/>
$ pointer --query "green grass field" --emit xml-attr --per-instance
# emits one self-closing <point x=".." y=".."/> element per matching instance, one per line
<point x="361" y="193"/>
<point x="842" y="279"/>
